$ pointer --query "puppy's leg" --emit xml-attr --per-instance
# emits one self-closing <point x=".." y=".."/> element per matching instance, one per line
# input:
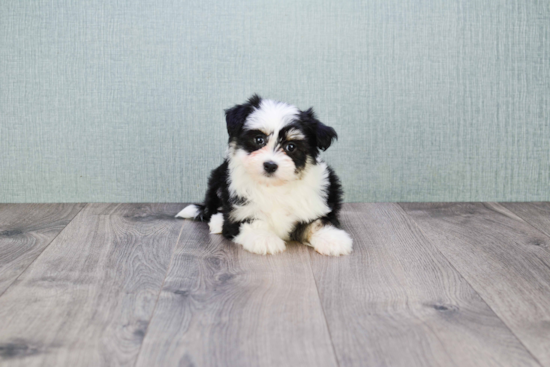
<point x="257" y="238"/>
<point x="327" y="239"/>
<point x="216" y="223"/>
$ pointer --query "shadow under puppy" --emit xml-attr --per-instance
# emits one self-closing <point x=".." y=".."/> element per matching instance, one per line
<point x="273" y="187"/>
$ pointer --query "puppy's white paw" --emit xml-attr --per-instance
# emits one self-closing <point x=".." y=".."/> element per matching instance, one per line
<point x="331" y="241"/>
<point x="216" y="223"/>
<point x="190" y="212"/>
<point x="264" y="245"/>
<point x="260" y="242"/>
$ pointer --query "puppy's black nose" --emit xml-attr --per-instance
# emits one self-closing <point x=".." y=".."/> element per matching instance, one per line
<point x="270" y="167"/>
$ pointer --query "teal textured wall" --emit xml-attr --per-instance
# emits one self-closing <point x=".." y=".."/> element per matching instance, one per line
<point x="434" y="100"/>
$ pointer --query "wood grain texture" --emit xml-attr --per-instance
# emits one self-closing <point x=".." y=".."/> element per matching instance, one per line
<point x="396" y="300"/>
<point x="25" y="231"/>
<point x="537" y="214"/>
<point x="223" y="306"/>
<point x="127" y="284"/>
<point x="88" y="299"/>
<point x="505" y="259"/>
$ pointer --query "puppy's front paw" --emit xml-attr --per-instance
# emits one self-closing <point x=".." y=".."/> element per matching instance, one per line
<point x="261" y="242"/>
<point x="266" y="245"/>
<point x="331" y="241"/>
<point x="216" y="223"/>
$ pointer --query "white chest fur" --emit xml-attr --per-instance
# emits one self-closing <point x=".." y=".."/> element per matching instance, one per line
<point x="281" y="207"/>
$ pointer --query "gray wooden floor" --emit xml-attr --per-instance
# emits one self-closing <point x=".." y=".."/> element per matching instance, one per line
<point x="461" y="284"/>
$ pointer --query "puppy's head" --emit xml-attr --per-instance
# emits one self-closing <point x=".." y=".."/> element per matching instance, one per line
<point x="273" y="141"/>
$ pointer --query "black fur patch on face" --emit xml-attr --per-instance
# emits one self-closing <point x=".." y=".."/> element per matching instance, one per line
<point x="297" y="149"/>
<point x="251" y="140"/>
<point x="236" y="115"/>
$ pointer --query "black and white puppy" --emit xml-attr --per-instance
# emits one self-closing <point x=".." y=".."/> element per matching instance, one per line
<point x="273" y="187"/>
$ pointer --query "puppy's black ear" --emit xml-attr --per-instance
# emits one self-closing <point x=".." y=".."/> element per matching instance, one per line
<point x="324" y="134"/>
<point x="236" y="116"/>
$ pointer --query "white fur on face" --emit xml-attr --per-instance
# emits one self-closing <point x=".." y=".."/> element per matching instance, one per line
<point x="271" y="117"/>
<point x="253" y="163"/>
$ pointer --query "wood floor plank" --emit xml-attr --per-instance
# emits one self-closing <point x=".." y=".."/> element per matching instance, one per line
<point x="223" y="306"/>
<point x="505" y="259"/>
<point x="25" y="231"/>
<point x="87" y="300"/>
<point x="537" y="214"/>
<point x="396" y="300"/>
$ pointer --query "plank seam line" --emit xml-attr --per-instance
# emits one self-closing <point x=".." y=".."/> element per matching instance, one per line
<point x="466" y="280"/>
<point x="44" y="249"/>
<point x="322" y="309"/>
<point x="547" y="235"/>
<point x="160" y="291"/>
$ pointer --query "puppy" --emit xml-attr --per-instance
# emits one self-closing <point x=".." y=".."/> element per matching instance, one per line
<point x="273" y="187"/>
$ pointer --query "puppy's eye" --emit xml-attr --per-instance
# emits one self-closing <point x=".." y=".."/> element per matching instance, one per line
<point x="290" y="147"/>
<point x="259" y="140"/>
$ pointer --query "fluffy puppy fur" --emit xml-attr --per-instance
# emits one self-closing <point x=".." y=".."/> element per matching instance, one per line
<point x="272" y="186"/>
